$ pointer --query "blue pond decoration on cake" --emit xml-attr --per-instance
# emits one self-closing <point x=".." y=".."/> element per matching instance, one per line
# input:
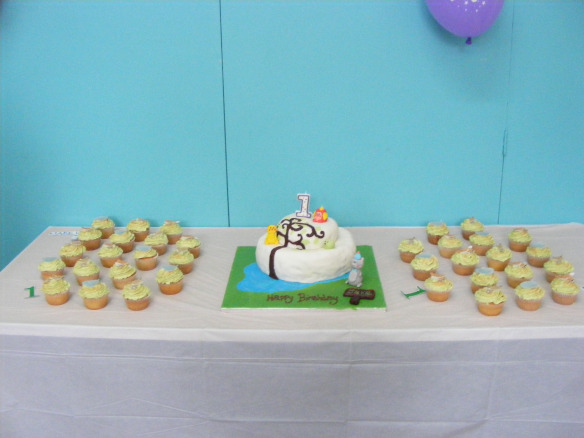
<point x="256" y="281"/>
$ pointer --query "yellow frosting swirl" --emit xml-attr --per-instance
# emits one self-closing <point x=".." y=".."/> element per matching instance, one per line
<point x="490" y="295"/>
<point x="169" y="275"/>
<point x="135" y="291"/>
<point x="465" y="257"/>
<point x="519" y="270"/>
<point x="93" y="289"/>
<point x="72" y="250"/>
<point x="156" y="239"/>
<point x="102" y="223"/>
<point x="437" y="228"/>
<point x="438" y="283"/>
<point x="109" y="250"/>
<point x="529" y="290"/>
<point x="122" y="237"/>
<point x="424" y="262"/>
<point x="51" y="264"/>
<point x="171" y="227"/>
<point x="121" y="270"/>
<point x="538" y="250"/>
<point x="181" y="257"/>
<point x="499" y="253"/>
<point x="471" y="224"/>
<point x="55" y="286"/>
<point x="188" y="242"/>
<point x="449" y="241"/>
<point x="558" y="266"/>
<point x="138" y="225"/>
<point x="143" y="252"/>
<point x="484" y="277"/>
<point x="520" y="235"/>
<point x="412" y="245"/>
<point x="84" y="267"/>
<point x="89" y="234"/>
<point x="481" y="238"/>
<point x="565" y="286"/>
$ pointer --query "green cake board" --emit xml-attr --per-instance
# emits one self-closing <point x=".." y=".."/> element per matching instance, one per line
<point x="320" y="296"/>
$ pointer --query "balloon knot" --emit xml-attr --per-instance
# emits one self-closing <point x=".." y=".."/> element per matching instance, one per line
<point x="469" y="41"/>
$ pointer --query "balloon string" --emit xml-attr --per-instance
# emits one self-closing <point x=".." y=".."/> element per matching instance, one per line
<point x="469" y="41"/>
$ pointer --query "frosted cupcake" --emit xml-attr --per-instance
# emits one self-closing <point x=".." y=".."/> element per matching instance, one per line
<point x="85" y="270"/>
<point x="170" y="280"/>
<point x="483" y="277"/>
<point x="56" y="291"/>
<point x="183" y="259"/>
<point x="435" y="230"/>
<point x="410" y="248"/>
<point x="137" y="295"/>
<point x="124" y="239"/>
<point x="146" y="258"/>
<point x="122" y="273"/>
<point x="95" y="294"/>
<point x="519" y="239"/>
<point x="438" y="287"/>
<point x="190" y="243"/>
<point x="464" y="261"/>
<point x="105" y="225"/>
<point x="173" y="231"/>
<point x="448" y="245"/>
<point x="424" y="265"/>
<point x="557" y="266"/>
<point x="490" y="300"/>
<point x="498" y="257"/>
<point x="517" y="273"/>
<point x="564" y="290"/>
<point x="109" y="253"/>
<point x="90" y="238"/>
<point x="158" y="241"/>
<point x="71" y="252"/>
<point x="529" y="296"/>
<point x="51" y="267"/>
<point x="481" y="242"/>
<point x="470" y="226"/>
<point x="537" y="254"/>
<point x="139" y="228"/>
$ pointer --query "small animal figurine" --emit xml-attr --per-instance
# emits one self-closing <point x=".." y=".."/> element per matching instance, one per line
<point x="356" y="276"/>
<point x="272" y="237"/>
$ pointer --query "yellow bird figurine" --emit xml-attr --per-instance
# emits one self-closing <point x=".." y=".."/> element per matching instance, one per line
<point x="272" y="237"/>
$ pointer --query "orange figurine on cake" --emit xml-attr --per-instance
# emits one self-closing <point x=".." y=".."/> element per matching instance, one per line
<point x="438" y="287"/>
<point x="139" y="228"/>
<point x="565" y="290"/>
<point x="137" y="295"/>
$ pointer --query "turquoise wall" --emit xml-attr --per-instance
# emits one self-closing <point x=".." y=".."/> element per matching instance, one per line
<point x="217" y="113"/>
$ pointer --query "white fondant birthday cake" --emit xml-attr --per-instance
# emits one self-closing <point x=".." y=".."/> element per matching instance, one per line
<point x="305" y="248"/>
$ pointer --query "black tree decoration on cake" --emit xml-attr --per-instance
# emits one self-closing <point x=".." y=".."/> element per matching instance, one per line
<point x="293" y="229"/>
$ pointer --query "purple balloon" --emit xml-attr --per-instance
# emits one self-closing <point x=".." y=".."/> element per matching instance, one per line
<point x="465" y="18"/>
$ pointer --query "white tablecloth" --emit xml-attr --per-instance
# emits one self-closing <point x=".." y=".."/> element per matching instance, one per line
<point x="184" y="367"/>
